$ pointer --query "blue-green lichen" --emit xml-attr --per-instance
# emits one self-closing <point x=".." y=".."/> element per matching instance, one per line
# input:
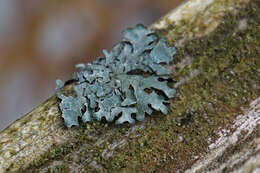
<point x="115" y="87"/>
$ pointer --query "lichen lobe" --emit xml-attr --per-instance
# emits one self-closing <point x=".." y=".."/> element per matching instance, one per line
<point x="115" y="87"/>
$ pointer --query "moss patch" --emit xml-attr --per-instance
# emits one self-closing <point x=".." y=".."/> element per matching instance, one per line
<point x="229" y="65"/>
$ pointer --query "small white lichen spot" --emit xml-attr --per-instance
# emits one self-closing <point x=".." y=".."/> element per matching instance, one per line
<point x="242" y="24"/>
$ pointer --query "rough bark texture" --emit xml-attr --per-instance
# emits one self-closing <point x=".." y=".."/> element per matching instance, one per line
<point x="213" y="124"/>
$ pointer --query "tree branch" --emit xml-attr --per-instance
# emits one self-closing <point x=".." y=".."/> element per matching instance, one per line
<point x="214" y="122"/>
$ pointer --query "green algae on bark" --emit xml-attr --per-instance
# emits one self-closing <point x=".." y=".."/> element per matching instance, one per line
<point x="196" y="18"/>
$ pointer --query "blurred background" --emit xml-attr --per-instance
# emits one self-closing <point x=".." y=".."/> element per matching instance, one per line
<point x="41" y="41"/>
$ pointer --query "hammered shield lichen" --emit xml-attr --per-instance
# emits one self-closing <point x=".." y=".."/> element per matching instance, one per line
<point x="115" y="87"/>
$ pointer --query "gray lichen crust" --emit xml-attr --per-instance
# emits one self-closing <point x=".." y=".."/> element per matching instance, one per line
<point x="115" y="87"/>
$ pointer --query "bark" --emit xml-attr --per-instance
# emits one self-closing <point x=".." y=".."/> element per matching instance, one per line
<point x="213" y="124"/>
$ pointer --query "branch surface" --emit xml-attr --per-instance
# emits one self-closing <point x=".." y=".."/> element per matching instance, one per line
<point x="213" y="123"/>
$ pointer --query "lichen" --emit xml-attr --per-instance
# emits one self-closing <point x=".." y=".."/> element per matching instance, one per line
<point x="114" y="87"/>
